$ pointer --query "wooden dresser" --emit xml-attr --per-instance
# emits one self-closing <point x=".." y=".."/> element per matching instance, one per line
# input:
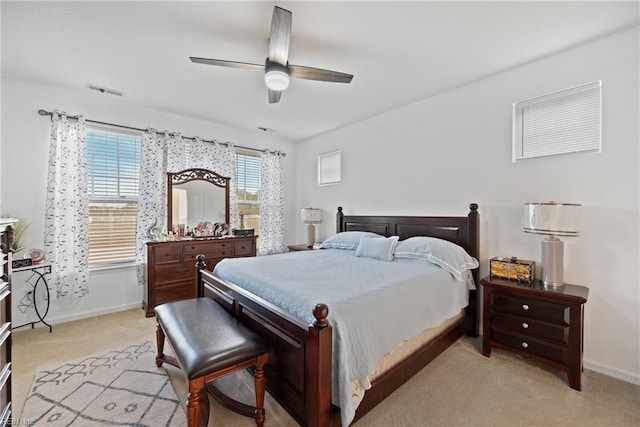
<point x="171" y="271"/>
<point x="6" y="239"/>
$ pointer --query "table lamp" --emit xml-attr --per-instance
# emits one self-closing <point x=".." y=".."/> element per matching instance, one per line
<point x="552" y="219"/>
<point x="311" y="216"/>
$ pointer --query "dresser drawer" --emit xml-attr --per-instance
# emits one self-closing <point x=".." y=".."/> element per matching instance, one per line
<point x="243" y="248"/>
<point x="525" y="325"/>
<point x="164" y="254"/>
<point x="209" y="254"/>
<point x="175" y="292"/>
<point x="528" y="344"/>
<point x="174" y="273"/>
<point x="530" y="307"/>
<point x="217" y="246"/>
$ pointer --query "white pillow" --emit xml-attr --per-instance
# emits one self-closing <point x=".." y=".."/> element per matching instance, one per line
<point x="377" y="247"/>
<point x="443" y="253"/>
<point x="346" y="240"/>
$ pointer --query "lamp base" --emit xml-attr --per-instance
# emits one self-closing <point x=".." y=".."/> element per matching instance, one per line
<point x="552" y="262"/>
<point x="311" y="235"/>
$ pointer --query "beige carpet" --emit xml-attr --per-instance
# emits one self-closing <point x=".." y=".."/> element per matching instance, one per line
<point x="460" y="388"/>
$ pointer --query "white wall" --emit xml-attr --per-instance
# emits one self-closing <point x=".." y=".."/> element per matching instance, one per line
<point x="25" y="137"/>
<point x="438" y="155"/>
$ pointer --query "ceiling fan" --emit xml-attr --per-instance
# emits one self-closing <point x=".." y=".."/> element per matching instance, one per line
<point x="277" y="70"/>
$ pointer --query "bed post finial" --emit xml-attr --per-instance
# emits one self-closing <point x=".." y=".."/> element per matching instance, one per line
<point x="320" y="312"/>
<point x="339" y="220"/>
<point x="200" y="261"/>
<point x="473" y="208"/>
<point x="200" y="265"/>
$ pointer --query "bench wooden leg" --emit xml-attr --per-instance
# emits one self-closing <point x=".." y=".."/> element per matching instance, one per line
<point x="260" y="384"/>
<point x="159" y="345"/>
<point x="195" y="402"/>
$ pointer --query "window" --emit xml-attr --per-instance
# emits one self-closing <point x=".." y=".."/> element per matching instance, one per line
<point x="329" y="168"/>
<point x="248" y="172"/>
<point x="567" y="121"/>
<point x="113" y="169"/>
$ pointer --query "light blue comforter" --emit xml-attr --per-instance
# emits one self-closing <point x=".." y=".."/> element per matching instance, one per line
<point x="373" y="305"/>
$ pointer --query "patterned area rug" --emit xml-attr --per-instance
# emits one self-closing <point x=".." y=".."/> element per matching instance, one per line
<point x="118" y="388"/>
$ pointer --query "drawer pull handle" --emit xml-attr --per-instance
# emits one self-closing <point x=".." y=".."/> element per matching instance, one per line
<point x="525" y="325"/>
<point x="525" y="307"/>
<point x="525" y="345"/>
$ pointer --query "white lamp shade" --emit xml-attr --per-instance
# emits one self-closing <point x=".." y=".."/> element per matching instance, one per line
<point x="553" y="219"/>
<point x="311" y="215"/>
<point x="276" y="77"/>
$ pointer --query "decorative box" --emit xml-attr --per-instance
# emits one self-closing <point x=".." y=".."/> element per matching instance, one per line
<point x="243" y="232"/>
<point x="518" y="270"/>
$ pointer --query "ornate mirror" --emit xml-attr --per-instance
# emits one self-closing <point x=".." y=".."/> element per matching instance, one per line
<point x="196" y="197"/>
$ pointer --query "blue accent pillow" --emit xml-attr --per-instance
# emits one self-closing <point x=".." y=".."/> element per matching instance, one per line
<point x="377" y="247"/>
<point x="346" y="240"/>
<point x="443" y="253"/>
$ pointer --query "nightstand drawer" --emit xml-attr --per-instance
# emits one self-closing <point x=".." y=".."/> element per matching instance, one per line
<point x="530" y="307"/>
<point x="528" y="344"/>
<point x="524" y="325"/>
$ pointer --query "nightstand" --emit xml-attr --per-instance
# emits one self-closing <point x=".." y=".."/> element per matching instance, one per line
<point x="300" y="247"/>
<point x="531" y="320"/>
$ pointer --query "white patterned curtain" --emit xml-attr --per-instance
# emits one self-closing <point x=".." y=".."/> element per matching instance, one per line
<point x="152" y="204"/>
<point x="66" y="227"/>
<point x="271" y="240"/>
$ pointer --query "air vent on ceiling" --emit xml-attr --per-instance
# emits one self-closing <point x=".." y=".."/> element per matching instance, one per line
<point x="105" y="90"/>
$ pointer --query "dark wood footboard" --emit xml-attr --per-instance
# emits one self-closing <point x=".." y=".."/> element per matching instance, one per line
<point x="299" y="369"/>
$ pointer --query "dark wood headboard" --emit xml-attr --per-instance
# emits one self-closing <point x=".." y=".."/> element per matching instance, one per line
<point x="461" y="230"/>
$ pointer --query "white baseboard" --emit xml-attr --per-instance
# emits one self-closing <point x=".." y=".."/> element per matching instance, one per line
<point x="611" y="372"/>
<point x="93" y="313"/>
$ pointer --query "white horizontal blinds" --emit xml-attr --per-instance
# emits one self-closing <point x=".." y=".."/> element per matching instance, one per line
<point x="113" y="168"/>
<point x="248" y="170"/>
<point x="112" y="232"/>
<point x="248" y="176"/>
<point x="562" y="122"/>
<point x="113" y="165"/>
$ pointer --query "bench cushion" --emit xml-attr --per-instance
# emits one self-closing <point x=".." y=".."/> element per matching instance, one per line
<point x="205" y="338"/>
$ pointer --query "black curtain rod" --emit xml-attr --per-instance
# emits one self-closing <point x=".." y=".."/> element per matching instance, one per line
<point x="48" y="113"/>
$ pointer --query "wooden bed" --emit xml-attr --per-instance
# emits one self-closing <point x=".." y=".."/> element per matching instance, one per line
<point x="299" y="373"/>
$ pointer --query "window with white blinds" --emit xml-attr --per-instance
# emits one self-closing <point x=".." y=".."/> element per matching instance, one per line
<point x="567" y="121"/>
<point x="248" y="176"/>
<point x="113" y="169"/>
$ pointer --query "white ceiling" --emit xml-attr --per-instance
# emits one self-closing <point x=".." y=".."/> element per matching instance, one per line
<point x="399" y="52"/>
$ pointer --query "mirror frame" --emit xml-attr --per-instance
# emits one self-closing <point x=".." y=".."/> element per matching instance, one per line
<point x="194" y="174"/>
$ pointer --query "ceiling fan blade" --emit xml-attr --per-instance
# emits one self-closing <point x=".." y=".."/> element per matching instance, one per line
<point x="280" y="37"/>
<point x="231" y="64"/>
<point x="274" y="96"/>
<point x="310" y="73"/>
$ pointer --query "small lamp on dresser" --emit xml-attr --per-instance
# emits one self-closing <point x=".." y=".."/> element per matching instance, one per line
<point x="552" y="219"/>
<point x="311" y="216"/>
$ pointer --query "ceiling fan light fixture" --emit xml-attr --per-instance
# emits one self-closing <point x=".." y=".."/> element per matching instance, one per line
<point x="276" y="77"/>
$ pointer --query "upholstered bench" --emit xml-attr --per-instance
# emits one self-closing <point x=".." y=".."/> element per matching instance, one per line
<point x="208" y="344"/>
